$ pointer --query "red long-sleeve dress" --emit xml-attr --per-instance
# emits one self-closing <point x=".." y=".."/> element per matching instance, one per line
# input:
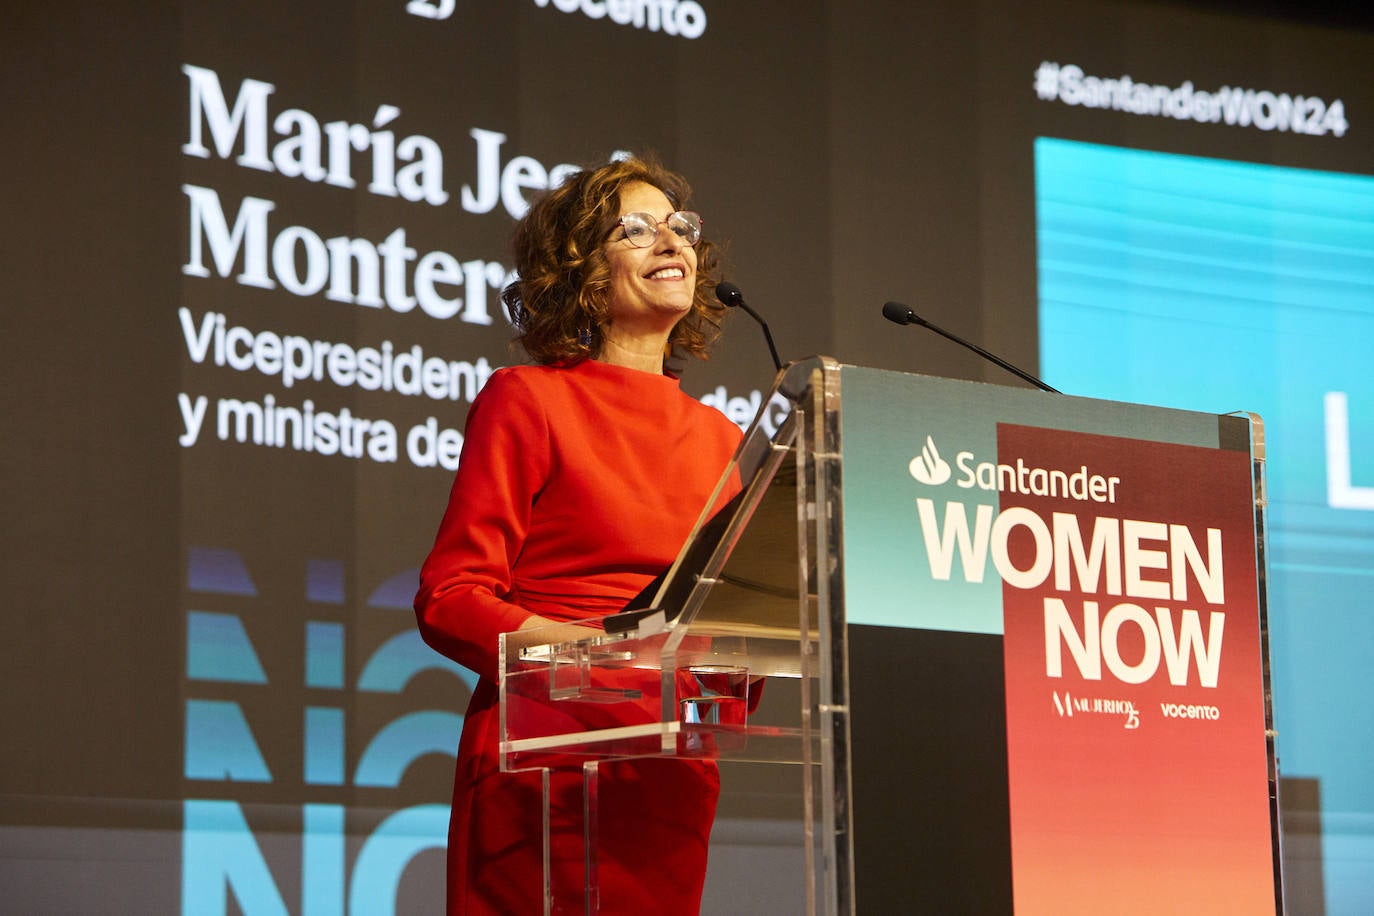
<point x="576" y="486"/>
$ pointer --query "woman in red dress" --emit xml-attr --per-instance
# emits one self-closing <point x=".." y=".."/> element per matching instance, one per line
<point x="580" y="478"/>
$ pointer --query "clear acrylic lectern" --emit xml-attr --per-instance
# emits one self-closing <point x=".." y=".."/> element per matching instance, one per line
<point x="1015" y="641"/>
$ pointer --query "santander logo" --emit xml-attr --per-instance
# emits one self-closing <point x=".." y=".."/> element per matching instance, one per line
<point x="1082" y="485"/>
<point x="928" y="467"/>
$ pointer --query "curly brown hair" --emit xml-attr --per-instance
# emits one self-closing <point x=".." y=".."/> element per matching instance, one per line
<point x="560" y="295"/>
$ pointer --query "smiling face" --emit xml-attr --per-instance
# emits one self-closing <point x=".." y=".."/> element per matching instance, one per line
<point x="651" y="288"/>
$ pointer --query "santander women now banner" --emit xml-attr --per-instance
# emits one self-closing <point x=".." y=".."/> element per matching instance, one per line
<point x="1138" y="777"/>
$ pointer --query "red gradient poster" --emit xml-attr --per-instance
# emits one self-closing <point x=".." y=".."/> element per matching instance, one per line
<point x="1138" y="778"/>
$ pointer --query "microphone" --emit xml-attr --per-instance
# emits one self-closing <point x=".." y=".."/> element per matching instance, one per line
<point x="898" y="313"/>
<point x="729" y="294"/>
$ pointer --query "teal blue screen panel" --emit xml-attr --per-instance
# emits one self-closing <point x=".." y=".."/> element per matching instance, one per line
<point x="1216" y="285"/>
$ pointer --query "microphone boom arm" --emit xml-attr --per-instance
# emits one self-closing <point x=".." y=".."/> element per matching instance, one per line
<point x="901" y="314"/>
<point x="767" y="334"/>
<point x="729" y="295"/>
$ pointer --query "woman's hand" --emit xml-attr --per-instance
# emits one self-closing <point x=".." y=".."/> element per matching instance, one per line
<point x="550" y="631"/>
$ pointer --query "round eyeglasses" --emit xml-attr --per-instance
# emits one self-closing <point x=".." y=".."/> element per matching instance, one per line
<point x="641" y="229"/>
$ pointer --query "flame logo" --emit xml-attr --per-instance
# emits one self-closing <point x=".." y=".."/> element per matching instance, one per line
<point x="928" y="467"/>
